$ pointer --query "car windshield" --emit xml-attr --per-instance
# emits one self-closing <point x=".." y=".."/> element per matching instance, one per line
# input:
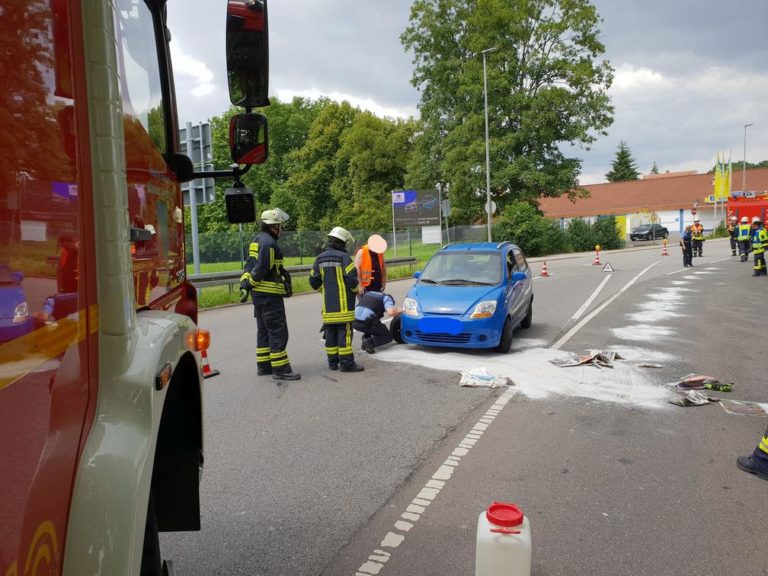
<point x="463" y="268"/>
<point x="643" y="228"/>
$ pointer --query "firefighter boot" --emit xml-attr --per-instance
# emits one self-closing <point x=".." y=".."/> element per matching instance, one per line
<point x="353" y="367"/>
<point x="368" y="346"/>
<point x="286" y="374"/>
<point x="263" y="369"/>
<point x="754" y="465"/>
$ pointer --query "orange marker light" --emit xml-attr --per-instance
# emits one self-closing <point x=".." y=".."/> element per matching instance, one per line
<point x="164" y="377"/>
<point x="198" y="340"/>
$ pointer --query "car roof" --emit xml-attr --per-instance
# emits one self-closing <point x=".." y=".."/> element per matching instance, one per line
<point x="477" y="247"/>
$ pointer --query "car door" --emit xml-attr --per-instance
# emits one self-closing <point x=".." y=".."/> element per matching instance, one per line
<point x="515" y="291"/>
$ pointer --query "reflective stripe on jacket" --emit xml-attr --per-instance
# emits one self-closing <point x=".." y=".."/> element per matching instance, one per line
<point x="262" y="269"/>
<point x="333" y="273"/>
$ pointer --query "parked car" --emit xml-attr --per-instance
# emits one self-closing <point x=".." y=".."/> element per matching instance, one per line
<point x="469" y="296"/>
<point x="649" y="232"/>
<point x="15" y="320"/>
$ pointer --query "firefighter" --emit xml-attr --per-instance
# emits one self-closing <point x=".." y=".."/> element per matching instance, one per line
<point x="697" y="234"/>
<point x="757" y="462"/>
<point x="269" y="283"/>
<point x="744" y="236"/>
<point x="333" y="273"/>
<point x="759" y="243"/>
<point x="369" y="262"/>
<point x="368" y="314"/>
<point x="733" y="230"/>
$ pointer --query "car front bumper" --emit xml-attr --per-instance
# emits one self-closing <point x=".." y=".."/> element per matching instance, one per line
<point x="451" y="331"/>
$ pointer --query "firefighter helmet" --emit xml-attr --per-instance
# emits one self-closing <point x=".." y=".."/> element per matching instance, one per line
<point x="696" y="219"/>
<point x="274" y="216"/>
<point x="757" y="219"/>
<point x="733" y="218"/>
<point x="377" y="244"/>
<point x="341" y="234"/>
<point x="744" y="220"/>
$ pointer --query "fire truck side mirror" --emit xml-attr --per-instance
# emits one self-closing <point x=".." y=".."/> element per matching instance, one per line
<point x="248" y="138"/>
<point x="241" y="208"/>
<point x="248" y="53"/>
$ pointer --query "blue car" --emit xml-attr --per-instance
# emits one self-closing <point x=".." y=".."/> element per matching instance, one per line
<point x="469" y="296"/>
<point x="15" y="320"/>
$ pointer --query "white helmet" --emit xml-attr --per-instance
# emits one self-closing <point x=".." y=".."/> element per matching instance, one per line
<point x="732" y="218"/>
<point x="757" y="219"/>
<point x="274" y="216"/>
<point x="744" y="220"/>
<point x="696" y="219"/>
<point x="341" y="234"/>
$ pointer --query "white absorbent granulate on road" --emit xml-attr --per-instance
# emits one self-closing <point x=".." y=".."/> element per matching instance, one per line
<point x="535" y="376"/>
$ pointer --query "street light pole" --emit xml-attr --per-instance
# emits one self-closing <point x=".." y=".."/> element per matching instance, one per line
<point x="744" y="165"/>
<point x="487" y="149"/>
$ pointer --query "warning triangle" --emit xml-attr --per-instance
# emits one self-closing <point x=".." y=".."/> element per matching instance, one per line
<point x="608" y="267"/>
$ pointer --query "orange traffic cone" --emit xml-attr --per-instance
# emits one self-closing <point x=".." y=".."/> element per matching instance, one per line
<point x="544" y="273"/>
<point x="664" y="249"/>
<point x="597" y="258"/>
<point x="207" y="371"/>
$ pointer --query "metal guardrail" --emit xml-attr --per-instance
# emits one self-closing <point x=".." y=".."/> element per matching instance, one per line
<point x="232" y="277"/>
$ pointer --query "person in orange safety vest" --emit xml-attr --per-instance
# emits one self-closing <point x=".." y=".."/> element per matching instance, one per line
<point x="697" y="231"/>
<point x="371" y="270"/>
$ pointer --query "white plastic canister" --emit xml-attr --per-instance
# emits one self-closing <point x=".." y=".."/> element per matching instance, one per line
<point x="503" y="542"/>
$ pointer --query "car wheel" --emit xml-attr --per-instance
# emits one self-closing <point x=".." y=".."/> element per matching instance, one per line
<point x="528" y="320"/>
<point x="394" y="329"/>
<point x="506" y="337"/>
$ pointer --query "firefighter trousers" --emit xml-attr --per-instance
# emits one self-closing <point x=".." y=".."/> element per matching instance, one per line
<point x="271" y="334"/>
<point x="338" y="344"/>
<point x="744" y="250"/>
<point x="759" y="267"/>
<point x="698" y="246"/>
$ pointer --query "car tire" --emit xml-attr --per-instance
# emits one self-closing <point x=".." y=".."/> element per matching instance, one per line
<point x="528" y="320"/>
<point x="394" y="329"/>
<point x="506" y="337"/>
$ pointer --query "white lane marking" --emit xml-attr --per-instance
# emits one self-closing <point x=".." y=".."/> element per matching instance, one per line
<point x="676" y="271"/>
<point x="589" y="300"/>
<point x="377" y="560"/>
<point x="568" y="335"/>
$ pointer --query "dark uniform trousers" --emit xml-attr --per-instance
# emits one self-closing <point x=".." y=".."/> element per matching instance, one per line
<point x="373" y="328"/>
<point x="272" y="333"/>
<point x="338" y="344"/>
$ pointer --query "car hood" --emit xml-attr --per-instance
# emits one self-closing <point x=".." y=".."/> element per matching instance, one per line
<point x="437" y="299"/>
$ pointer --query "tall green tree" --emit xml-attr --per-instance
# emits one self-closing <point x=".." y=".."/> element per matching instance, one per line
<point x="547" y="90"/>
<point x="623" y="166"/>
<point x="654" y="168"/>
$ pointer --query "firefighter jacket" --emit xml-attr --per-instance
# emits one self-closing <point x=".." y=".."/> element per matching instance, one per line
<point x="334" y="274"/>
<point x="697" y="230"/>
<point x="732" y="230"/>
<point x="759" y="240"/>
<point x="745" y="232"/>
<point x="262" y="273"/>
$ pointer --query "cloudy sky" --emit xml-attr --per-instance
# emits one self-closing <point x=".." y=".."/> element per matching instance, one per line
<point x="689" y="73"/>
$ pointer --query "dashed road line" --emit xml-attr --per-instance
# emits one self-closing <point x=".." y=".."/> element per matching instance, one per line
<point x="408" y="519"/>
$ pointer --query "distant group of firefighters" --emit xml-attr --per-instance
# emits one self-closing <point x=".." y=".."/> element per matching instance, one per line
<point x="353" y="297"/>
<point x="745" y="237"/>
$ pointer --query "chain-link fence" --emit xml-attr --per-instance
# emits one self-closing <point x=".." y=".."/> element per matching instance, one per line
<point x="305" y="245"/>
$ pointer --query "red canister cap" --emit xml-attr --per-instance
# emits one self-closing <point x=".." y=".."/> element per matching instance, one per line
<point x="504" y="514"/>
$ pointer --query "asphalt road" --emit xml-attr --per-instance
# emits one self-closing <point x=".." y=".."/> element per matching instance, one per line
<point x="385" y="472"/>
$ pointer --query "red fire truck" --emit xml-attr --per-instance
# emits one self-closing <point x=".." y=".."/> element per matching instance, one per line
<point x="101" y="432"/>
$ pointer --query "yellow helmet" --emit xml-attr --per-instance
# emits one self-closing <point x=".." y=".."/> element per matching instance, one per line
<point x="341" y="234"/>
<point x="274" y="216"/>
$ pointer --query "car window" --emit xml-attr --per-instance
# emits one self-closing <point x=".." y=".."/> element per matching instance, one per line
<point x="522" y="263"/>
<point x="463" y="267"/>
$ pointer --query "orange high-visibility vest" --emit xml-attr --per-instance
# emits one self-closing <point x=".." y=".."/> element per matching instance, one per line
<point x="366" y="267"/>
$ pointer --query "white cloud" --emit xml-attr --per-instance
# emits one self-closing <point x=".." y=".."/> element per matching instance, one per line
<point x="629" y="77"/>
<point x="187" y="68"/>
<point x="286" y="94"/>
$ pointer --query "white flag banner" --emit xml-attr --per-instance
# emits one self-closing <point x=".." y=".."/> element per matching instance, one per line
<point x="398" y="197"/>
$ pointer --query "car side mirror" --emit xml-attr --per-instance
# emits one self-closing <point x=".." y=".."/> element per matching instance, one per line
<point x="417" y="274"/>
<point x="518" y="276"/>
<point x="18" y="276"/>
<point x="248" y="53"/>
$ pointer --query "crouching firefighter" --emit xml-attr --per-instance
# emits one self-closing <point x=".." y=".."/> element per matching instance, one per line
<point x="268" y="283"/>
<point x="334" y="274"/>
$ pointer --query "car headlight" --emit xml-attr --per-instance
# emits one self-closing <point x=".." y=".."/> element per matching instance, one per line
<point x="484" y="309"/>
<point x="410" y="307"/>
<point x="20" y="313"/>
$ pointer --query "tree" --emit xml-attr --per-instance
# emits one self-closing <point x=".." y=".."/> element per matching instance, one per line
<point x="654" y="168"/>
<point x="623" y="166"/>
<point x="546" y="88"/>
